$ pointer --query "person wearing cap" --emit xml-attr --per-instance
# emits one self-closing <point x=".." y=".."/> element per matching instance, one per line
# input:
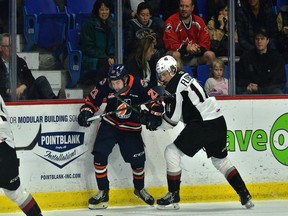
<point x="260" y="70"/>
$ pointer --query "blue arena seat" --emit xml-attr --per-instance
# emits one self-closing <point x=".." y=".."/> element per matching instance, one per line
<point x="279" y="4"/>
<point x="203" y="73"/>
<point x="44" y="25"/>
<point x="189" y="70"/>
<point x="202" y="8"/>
<point x="80" y="11"/>
<point x="74" y="57"/>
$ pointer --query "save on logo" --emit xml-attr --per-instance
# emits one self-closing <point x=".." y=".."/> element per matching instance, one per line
<point x="260" y="141"/>
<point x="279" y="139"/>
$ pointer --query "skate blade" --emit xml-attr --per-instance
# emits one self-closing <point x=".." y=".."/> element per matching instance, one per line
<point x="173" y="206"/>
<point x="144" y="201"/>
<point x="249" y="204"/>
<point x="102" y="205"/>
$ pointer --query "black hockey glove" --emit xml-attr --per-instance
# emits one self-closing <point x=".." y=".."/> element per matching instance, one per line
<point x="153" y="122"/>
<point x="143" y="116"/>
<point x="154" y="119"/>
<point x="84" y="115"/>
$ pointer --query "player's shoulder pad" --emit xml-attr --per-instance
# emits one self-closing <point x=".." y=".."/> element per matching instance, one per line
<point x="185" y="80"/>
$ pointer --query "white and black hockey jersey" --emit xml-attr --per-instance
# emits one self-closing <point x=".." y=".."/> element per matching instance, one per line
<point x="188" y="102"/>
<point x="6" y="134"/>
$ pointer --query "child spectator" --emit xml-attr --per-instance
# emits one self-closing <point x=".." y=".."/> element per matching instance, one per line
<point x="217" y="84"/>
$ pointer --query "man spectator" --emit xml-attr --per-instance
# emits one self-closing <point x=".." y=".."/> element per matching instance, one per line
<point x="27" y="86"/>
<point x="253" y="15"/>
<point x="261" y="70"/>
<point x="186" y="37"/>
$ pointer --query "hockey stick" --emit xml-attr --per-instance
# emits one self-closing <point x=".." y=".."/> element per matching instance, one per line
<point x="33" y="143"/>
<point x="136" y="105"/>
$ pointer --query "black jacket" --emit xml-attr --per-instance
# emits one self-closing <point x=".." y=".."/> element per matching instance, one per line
<point x="24" y="76"/>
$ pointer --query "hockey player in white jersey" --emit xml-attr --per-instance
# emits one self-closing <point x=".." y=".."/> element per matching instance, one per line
<point x="205" y="127"/>
<point x="9" y="168"/>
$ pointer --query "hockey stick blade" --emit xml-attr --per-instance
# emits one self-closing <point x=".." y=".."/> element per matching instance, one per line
<point x="32" y="144"/>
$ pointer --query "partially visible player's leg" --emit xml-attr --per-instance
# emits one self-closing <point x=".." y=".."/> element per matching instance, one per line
<point x="10" y="181"/>
<point x="232" y="175"/>
<point x="100" y="200"/>
<point x="24" y="200"/>
<point x="104" y="143"/>
<point x="132" y="150"/>
<point x="173" y="159"/>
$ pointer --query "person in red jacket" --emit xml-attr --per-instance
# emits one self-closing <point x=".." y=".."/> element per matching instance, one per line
<point x="186" y="37"/>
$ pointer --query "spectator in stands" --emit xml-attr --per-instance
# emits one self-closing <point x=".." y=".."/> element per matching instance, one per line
<point x="213" y="6"/>
<point x="4" y="16"/>
<point x="138" y="63"/>
<point x="186" y="36"/>
<point x="261" y="70"/>
<point x="282" y="21"/>
<point x="136" y="26"/>
<point x="130" y="10"/>
<point x="218" y="31"/>
<point x="27" y="86"/>
<point x="252" y="16"/>
<point x="97" y="42"/>
<point x="217" y="84"/>
<point x="169" y="7"/>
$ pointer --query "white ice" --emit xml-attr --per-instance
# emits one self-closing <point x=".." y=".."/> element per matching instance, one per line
<point x="262" y="208"/>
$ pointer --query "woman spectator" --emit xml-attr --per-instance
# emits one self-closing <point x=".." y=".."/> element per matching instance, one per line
<point x="97" y="42"/>
<point x="218" y="31"/>
<point x="138" y="61"/>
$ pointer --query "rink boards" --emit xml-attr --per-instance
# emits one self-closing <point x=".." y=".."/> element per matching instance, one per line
<point x="58" y="170"/>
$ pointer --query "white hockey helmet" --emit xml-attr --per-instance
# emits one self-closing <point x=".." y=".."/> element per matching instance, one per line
<point x="166" y="63"/>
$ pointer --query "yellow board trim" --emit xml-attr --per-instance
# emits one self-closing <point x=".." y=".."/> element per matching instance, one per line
<point x="125" y="197"/>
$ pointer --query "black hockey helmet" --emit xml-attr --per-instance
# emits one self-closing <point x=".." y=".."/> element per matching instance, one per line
<point x="116" y="72"/>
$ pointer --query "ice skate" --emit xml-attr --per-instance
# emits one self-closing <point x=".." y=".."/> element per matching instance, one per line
<point x="246" y="199"/>
<point x="144" y="196"/>
<point x="170" y="201"/>
<point x="100" y="201"/>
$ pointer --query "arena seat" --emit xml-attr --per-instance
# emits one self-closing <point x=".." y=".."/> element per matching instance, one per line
<point x="44" y="24"/>
<point x="74" y="57"/>
<point x="202" y="8"/>
<point x="279" y="4"/>
<point x="80" y="11"/>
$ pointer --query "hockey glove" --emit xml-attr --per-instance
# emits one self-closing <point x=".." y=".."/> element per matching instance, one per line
<point x="143" y="117"/>
<point x="154" y="119"/>
<point x="84" y="115"/>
